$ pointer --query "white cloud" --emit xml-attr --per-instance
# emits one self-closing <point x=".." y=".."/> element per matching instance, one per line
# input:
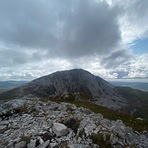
<point x="133" y="22"/>
<point x="138" y="67"/>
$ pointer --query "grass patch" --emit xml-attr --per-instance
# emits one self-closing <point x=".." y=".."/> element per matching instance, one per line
<point x="73" y="123"/>
<point x="63" y="144"/>
<point x="137" y="99"/>
<point x="26" y="139"/>
<point x="19" y="110"/>
<point x="81" y="133"/>
<point x="98" y="139"/>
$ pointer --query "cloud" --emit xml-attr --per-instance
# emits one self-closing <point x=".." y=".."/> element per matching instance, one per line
<point x="116" y="59"/>
<point x="133" y="22"/>
<point x="138" y="67"/>
<point x="67" y="29"/>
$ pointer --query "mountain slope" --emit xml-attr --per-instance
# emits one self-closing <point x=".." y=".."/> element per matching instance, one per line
<point x="137" y="100"/>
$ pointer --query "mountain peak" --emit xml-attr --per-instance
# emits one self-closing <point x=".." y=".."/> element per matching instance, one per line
<point x="72" y="71"/>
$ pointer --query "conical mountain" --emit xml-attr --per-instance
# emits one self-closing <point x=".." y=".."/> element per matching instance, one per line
<point x="78" y="82"/>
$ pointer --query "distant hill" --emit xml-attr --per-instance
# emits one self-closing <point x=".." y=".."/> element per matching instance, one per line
<point x="137" y="85"/>
<point x="78" y="84"/>
<point x="6" y="85"/>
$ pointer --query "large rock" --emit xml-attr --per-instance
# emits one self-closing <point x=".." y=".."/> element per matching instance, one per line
<point x="21" y="144"/>
<point x="60" y="129"/>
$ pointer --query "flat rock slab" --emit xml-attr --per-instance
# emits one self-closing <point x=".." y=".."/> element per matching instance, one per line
<point x="60" y="129"/>
<point x="21" y="144"/>
<point x="2" y="127"/>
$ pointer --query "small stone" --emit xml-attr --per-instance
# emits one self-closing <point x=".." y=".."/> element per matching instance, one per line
<point x="139" y="118"/>
<point x="89" y="129"/>
<point x="96" y="130"/>
<point x="43" y="145"/>
<point x="41" y="140"/>
<point x="31" y="144"/>
<point x="52" y="145"/>
<point x="2" y="127"/>
<point x="10" y="145"/>
<point x="78" y="146"/>
<point x="4" y="122"/>
<point x="79" y="140"/>
<point x="60" y="129"/>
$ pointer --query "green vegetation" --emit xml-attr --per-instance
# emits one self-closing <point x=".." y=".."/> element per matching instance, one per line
<point x="137" y="99"/>
<point x="19" y="110"/>
<point x="98" y="139"/>
<point x="64" y="144"/>
<point x="26" y="139"/>
<point x="81" y="133"/>
<point x="73" y="123"/>
<point x="108" y="113"/>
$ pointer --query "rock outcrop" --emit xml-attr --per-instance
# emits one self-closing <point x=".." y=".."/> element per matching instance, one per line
<point x="36" y="123"/>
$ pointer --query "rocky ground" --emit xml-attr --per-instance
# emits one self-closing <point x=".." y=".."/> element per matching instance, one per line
<point x="30" y="122"/>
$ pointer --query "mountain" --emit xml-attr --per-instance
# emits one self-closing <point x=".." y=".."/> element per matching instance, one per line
<point x="78" y="84"/>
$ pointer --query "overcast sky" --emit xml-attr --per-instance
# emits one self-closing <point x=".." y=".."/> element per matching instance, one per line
<point x="106" y="37"/>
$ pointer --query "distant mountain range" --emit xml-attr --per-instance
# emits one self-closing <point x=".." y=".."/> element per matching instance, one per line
<point x="78" y="84"/>
<point x="137" y="85"/>
<point x="6" y="85"/>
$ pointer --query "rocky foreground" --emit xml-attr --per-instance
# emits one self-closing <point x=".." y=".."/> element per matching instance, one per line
<point x="30" y="122"/>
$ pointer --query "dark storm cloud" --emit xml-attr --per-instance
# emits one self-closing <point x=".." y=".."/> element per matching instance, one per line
<point x="13" y="57"/>
<point x="116" y="59"/>
<point x="69" y="28"/>
<point x="25" y="23"/>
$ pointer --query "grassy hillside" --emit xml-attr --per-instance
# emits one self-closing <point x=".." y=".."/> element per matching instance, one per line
<point x="137" y="99"/>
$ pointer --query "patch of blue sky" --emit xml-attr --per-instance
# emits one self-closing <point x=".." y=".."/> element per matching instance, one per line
<point x="140" y="46"/>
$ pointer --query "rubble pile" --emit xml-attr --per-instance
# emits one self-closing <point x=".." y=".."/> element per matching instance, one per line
<point x="32" y="123"/>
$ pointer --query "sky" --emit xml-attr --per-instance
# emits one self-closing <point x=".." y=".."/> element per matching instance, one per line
<point x="109" y="38"/>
